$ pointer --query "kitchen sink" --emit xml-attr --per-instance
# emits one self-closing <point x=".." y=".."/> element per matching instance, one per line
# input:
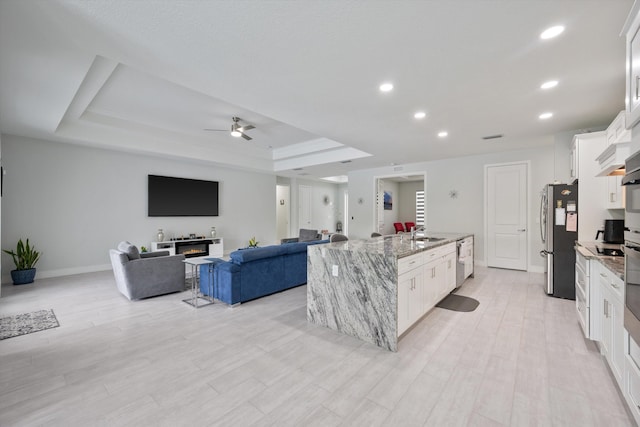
<point x="430" y="239"/>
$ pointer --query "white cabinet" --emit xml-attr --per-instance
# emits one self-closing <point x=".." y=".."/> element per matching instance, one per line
<point x="423" y="280"/>
<point x="410" y="291"/>
<point x="632" y="95"/>
<point x="615" y="192"/>
<point x="612" y="342"/>
<point x="203" y="247"/>
<point x="617" y="131"/>
<point x="631" y="390"/>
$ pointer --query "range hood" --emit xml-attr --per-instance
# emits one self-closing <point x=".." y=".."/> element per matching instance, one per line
<point x="612" y="159"/>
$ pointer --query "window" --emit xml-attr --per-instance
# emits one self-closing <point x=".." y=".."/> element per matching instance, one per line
<point x="420" y="208"/>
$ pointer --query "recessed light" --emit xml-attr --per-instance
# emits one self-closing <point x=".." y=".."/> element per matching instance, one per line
<point x="545" y="116"/>
<point x="443" y="134"/>
<point x="386" y="87"/>
<point x="549" y="84"/>
<point x="552" y="32"/>
<point x="420" y="115"/>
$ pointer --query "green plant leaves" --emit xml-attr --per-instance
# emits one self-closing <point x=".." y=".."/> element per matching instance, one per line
<point x="25" y="256"/>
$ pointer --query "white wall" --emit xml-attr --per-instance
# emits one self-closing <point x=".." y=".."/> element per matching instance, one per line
<point x="407" y="200"/>
<point x="323" y="217"/>
<point x="75" y="203"/>
<point x="466" y="212"/>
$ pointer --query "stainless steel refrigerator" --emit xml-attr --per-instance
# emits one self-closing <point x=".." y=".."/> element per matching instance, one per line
<point x="559" y="232"/>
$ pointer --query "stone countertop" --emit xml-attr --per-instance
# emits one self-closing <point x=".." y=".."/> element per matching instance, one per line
<point x="397" y="245"/>
<point x="613" y="263"/>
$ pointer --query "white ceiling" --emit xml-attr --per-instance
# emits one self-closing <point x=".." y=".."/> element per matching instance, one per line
<point x="149" y="76"/>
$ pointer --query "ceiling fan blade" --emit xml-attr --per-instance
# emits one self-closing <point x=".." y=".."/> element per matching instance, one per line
<point x="246" y="128"/>
<point x="247" y="137"/>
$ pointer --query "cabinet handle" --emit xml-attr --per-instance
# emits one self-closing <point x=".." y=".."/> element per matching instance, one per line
<point x="603" y="275"/>
<point x="614" y="285"/>
<point x="637" y="84"/>
<point x="606" y="308"/>
<point x="612" y="197"/>
<point x="522" y="229"/>
<point x="433" y="272"/>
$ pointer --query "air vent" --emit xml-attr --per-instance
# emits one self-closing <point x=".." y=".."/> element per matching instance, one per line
<point x="497" y="136"/>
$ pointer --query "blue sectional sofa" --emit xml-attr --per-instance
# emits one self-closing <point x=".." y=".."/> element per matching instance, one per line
<point x="257" y="272"/>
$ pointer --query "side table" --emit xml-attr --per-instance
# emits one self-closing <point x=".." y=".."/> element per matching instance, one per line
<point x="195" y="263"/>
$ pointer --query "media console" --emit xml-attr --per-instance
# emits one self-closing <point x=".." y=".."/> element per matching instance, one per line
<point x="192" y="248"/>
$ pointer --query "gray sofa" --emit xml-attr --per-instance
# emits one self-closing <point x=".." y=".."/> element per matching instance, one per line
<point x="142" y="275"/>
<point x="305" y="235"/>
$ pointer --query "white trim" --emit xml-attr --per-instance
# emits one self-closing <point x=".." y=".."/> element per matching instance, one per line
<point x="45" y="274"/>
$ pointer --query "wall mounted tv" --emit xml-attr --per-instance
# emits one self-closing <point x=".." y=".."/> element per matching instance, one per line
<point x="170" y="196"/>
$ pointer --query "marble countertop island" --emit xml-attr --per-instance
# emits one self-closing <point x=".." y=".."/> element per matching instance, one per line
<point x="352" y="286"/>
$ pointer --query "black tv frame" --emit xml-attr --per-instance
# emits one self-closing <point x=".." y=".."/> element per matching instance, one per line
<point x="169" y="196"/>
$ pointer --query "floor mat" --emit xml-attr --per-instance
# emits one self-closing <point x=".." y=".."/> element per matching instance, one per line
<point x="458" y="303"/>
<point x="22" y="324"/>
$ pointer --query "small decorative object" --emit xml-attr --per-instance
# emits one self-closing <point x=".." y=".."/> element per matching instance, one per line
<point x="143" y="249"/>
<point x="25" y="258"/>
<point x="253" y="243"/>
<point x="160" y="235"/>
<point x="453" y="194"/>
<point x="213" y="232"/>
<point x="192" y="235"/>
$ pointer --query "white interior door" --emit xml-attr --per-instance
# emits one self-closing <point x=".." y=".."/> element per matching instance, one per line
<point x="507" y="216"/>
<point x="283" y="212"/>
<point x="304" y="206"/>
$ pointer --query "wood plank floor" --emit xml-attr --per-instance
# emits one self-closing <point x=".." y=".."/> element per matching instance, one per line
<point x="518" y="360"/>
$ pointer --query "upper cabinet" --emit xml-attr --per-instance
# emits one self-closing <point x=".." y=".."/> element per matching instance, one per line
<point x="618" y="147"/>
<point x="632" y="95"/>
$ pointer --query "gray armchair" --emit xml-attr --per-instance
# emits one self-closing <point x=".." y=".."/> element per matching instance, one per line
<point x="305" y="235"/>
<point x="147" y="274"/>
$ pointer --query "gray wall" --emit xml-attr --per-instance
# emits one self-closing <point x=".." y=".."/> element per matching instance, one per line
<point x="76" y="202"/>
<point x="466" y="212"/>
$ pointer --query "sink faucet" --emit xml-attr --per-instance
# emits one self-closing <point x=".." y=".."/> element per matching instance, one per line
<point x="414" y="230"/>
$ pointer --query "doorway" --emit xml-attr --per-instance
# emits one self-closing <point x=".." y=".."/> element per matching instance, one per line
<point x="507" y="195"/>
<point x="401" y="201"/>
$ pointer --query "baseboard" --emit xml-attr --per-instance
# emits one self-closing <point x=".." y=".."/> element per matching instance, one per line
<point x="44" y="274"/>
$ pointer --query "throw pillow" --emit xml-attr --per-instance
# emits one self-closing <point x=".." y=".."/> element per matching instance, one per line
<point x="129" y="249"/>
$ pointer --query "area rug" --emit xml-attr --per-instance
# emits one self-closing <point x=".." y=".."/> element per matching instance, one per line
<point x="458" y="303"/>
<point x="22" y="324"/>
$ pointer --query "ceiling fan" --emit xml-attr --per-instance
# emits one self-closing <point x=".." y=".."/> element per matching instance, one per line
<point x="237" y="130"/>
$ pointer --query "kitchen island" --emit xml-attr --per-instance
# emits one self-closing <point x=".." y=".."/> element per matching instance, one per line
<point x="376" y="289"/>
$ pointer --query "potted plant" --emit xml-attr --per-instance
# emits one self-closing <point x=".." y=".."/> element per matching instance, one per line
<point x="25" y="258"/>
<point x="253" y="243"/>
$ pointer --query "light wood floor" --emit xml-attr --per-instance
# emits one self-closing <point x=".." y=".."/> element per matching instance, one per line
<point x="518" y="360"/>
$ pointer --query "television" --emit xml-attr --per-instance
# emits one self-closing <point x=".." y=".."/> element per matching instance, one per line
<point x="169" y="196"/>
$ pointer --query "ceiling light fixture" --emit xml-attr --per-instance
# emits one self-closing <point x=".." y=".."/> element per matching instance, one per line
<point x="235" y="131"/>
<point x="552" y="32"/>
<point x="545" y="116"/>
<point x="386" y="87"/>
<point x="549" y="84"/>
<point x="443" y="134"/>
<point x="420" y="115"/>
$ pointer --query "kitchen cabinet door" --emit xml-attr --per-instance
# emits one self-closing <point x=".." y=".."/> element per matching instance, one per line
<point x="450" y="276"/>
<point x="615" y="193"/>
<point x="410" y="287"/>
<point x="612" y="343"/>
